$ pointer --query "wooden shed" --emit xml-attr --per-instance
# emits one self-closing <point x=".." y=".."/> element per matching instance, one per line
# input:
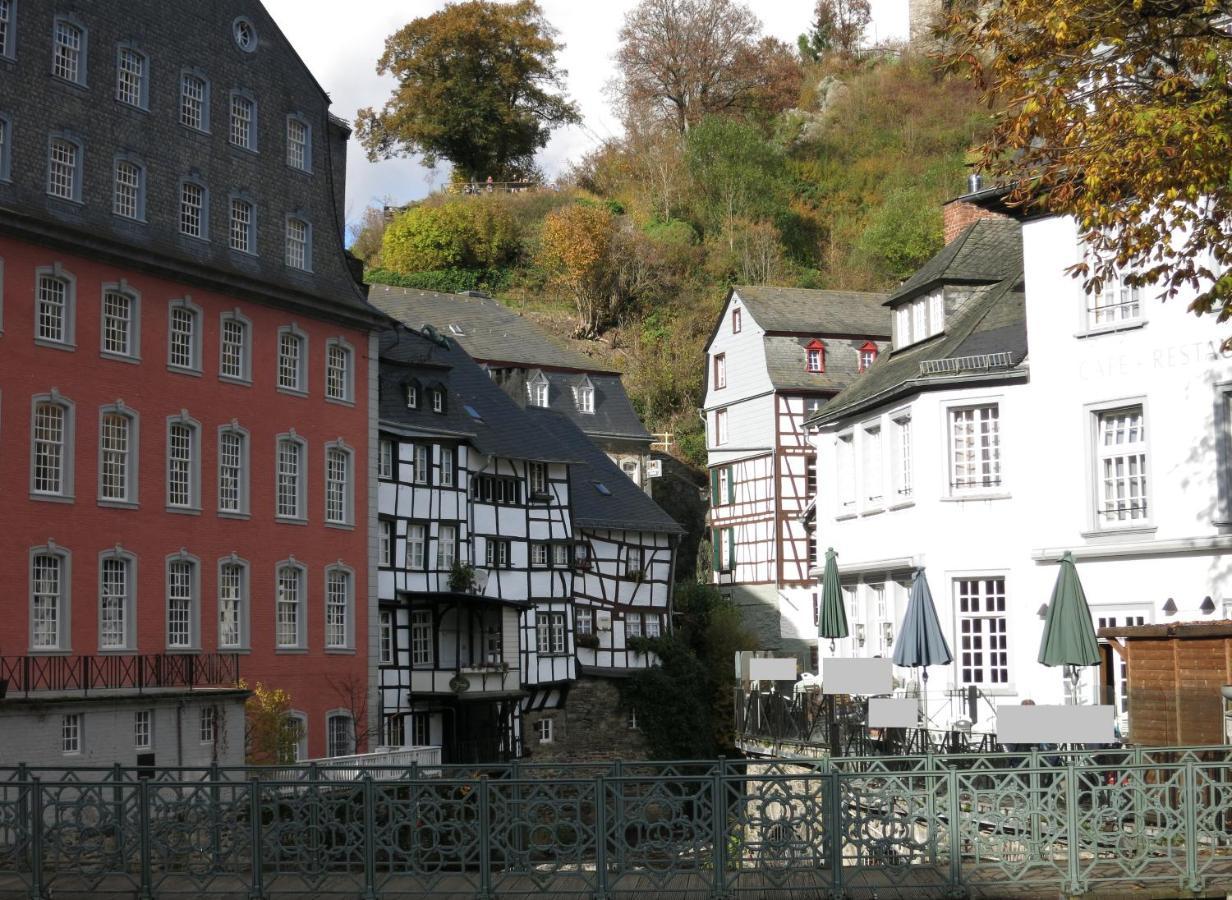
<point x="1174" y="674"/>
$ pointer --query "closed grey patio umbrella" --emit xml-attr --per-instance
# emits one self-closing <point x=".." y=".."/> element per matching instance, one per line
<point x="920" y="642"/>
<point x="831" y="618"/>
<point x="1069" y="634"/>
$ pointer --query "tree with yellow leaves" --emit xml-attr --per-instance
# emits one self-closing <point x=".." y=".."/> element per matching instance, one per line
<point x="273" y="734"/>
<point x="576" y="246"/>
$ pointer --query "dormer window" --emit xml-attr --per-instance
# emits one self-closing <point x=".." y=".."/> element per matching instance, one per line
<point x="815" y="357"/>
<point x="868" y="356"/>
<point x="537" y="390"/>
<point x="584" y="397"/>
<point x="412" y="395"/>
<point x="438" y="399"/>
<point x="918" y="319"/>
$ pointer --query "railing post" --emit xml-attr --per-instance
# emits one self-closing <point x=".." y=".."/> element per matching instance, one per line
<point x="35" y="799"/>
<point x="256" y="890"/>
<point x="719" y="817"/>
<point x="600" y="839"/>
<point x="618" y="830"/>
<point x="519" y="863"/>
<point x="956" y="840"/>
<point x="1190" y="807"/>
<point x="117" y="804"/>
<point x="215" y="815"/>
<point x="85" y="676"/>
<point x="369" y="838"/>
<point x="834" y="835"/>
<point x="143" y="820"/>
<point x="1072" y="844"/>
<point x="930" y="802"/>
<point x="485" y="846"/>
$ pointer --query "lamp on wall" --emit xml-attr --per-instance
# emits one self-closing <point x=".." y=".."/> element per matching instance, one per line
<point x="1042" y="612"/>
<point x="1170" y="606"/>
<point x="1208" y="605"/>
<point x="860" y="633"/>
<point x="887" y="632"/>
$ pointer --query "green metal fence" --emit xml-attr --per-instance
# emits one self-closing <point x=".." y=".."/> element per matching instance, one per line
<point x="1009" y="825"/>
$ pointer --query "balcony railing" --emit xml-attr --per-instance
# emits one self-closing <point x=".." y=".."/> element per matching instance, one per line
<point x="386" y="762"/>
<point x="27" y="674"/>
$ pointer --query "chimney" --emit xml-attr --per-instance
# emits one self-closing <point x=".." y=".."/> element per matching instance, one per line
<point x="958" y="213"/>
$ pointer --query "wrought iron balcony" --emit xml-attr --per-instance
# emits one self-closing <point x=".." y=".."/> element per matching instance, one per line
<point x="140" y="672"/>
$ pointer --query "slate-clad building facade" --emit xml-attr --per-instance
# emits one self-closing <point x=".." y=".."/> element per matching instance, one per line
<point x="515" y="559"/>
<point x="185" y="415"/>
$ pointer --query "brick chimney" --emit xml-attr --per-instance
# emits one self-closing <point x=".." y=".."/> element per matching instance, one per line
<point x="958" y="213"/>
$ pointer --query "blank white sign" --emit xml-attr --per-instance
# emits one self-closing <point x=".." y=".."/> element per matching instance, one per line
<point x="1055" y="724"/>
<point x="889" y="712"/>
<point x="857" y="676"/>
<point x="772" y="668"/>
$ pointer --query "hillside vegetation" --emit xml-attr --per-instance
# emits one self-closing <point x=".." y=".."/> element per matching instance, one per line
<point x="631" y="257"/>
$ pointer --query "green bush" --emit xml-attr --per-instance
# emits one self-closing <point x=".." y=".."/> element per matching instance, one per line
<point x="446" y="281"/>
<point x="461" y="233"/>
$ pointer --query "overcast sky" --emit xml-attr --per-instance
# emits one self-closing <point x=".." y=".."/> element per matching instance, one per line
<point x="344" y="61"/>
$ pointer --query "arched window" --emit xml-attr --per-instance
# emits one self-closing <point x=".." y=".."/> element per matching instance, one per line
<point x="132" y="76"/>
<point x="117" y="599"/>
<point x="232" y="603"/>
<point x="117" y="455"/>
<point x="339" y="489"/>
<point x="121" y="325"/>
<point x="290" y="485"/>
<point x="339" y="593"/>
<point x="183" y="602"/>
<point x="289" y="619"/>
<point x="51" y="450"/>
<point x="339" y="371"/>
<point x="50" y="582"/>
<point x="292" y="360"/>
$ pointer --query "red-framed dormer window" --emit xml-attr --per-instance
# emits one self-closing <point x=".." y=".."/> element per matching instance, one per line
<point x="815" y="356"/>
<point x="868" y="356"/>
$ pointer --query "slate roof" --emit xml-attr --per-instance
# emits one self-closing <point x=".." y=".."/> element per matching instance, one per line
<point x="614" y="416"/>
<point x="501" y="428"/>
<point x="993" y="321"/>
<point x="809" y="312"/>
<point x="788" y="369"/>
<point x="625" y="507"/>
<point x="987" y="251"/>
<point x="490" y="331"/>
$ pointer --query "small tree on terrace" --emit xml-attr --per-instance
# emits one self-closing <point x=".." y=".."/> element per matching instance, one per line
<point x="273" y="734"/>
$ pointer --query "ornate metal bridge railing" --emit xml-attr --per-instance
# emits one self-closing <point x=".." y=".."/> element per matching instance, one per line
<point x="1015" y="825"/>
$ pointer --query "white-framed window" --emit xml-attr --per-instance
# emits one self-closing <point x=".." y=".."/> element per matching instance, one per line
<point x="299" y="144"/>
<point x="49" y="599"/>
<point x="446" y="547"/>
<point x="385" y="531"/>
<point x="416" y="545"/>
<point x="537" y="390"/>
<point x="583" y="620"/>
<point x="183" y="463"/>
<point x="117" y="587"/>
<point x="1121" y="467"/>
<point x="298" y="721"/>
<point x="128" y="194"/>
<point x="634" y="562"/>
<point x="289" y="488"/>
<point x="920" y="318"/>
<point x="132" y="77"/>
<point x="448" y="466"/>
<point x="193" y="213"/>
<point x="845" y="476"/>
<point x="385" y="637"/>
<point x="245" y="35"/>
<point x="496" y="553"/>
<point x="538" y="478"/>
<point x="340" y="735"/>
<point x="51" y="447"/>
<point x="117" y="455"/>
<point x="983" y="635"/>
<point x="412" y="396"/>
<point x="233" y="470"/>
<point x="438" y="400"/>
<point x="235" y="347"/>
<point x="292" y="360"/>
<point x="975" y="448"/>
<point x="243" y="226"/>
<point x="232" y="603"/>
<point x="543" y="730"/>
<point x="143" y="729"/>
<point x="422" y="465"/>
<point x="720" y="427"/>
<point x="243" y="121"/>
<point x="539" y="555"/>
<point x="207" y="725"/>
<point x="385" y="459"/>
<point x="338" y="592"/>
<point x="560" y="556"/>
<point x="420" y="730"/>
<point x="724" y="482"/>
<point x="584" y="399"/>
<point x="814" y="359"/>
<point x="6" y="28"/>
<point x="338" y="487"/>
<point x="183" y="336"/>
<point x="421" y="637"/>
<point x="902" y="456"/>
<point x="633" y="625"/>
<point x="64" y="169"/>
<point x="70" y="733"/>
<point x="182" y="589"/>
<point x="726" y="550"/>
<point x="288" y="612"/>
<point x="298" y="245"/>
<point x="194" y="101"/>
<point x="550" y="633"/>
<point x="120" y="321"/>
<point x="873" y="478"/>
<point x="55" y="316"/>
<point x="68" y="52"/>
<point x="720" y="371"/>
<point x="1116" y="303"/>
<point x="338" y="372"/>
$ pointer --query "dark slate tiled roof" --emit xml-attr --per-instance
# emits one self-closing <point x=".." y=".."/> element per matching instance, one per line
<point x="987" y="251"/>
<point x="993" y="321"/>
<point x="501" y="428"/>
<point x="613" y="417"/>
<point x="490" y="332"/>
<point x="786" y="363"/>
<point x="625" y="507"/>
<point x="805" y="311"/>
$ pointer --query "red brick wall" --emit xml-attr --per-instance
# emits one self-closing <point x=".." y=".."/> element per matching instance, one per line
<point x="958" y="214"/>
<point x="150" y="532"/>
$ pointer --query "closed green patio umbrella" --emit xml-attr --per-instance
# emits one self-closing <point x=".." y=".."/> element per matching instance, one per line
<point x="1069" y="635"/>
<point x="831" y="618"/>
<point x="920" y="641"/>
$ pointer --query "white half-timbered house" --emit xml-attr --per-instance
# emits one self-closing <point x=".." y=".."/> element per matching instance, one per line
<point x="482" y="561"/>
<point x="775" y="357"/>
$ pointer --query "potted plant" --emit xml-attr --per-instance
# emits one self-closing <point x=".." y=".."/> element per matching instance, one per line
<point x="590" y="641"/>
<point x="462" y="578"/>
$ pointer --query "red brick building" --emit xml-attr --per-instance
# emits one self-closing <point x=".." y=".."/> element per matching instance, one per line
<point x="186" y="409"/>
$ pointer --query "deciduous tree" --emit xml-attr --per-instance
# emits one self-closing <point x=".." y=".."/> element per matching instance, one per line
<point x="478" y="85"/>
<point x="576" y="246"/>
<point x="1119" y="114"/>
<point x="838" y="25"/>
<point x="273" y="734"/>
